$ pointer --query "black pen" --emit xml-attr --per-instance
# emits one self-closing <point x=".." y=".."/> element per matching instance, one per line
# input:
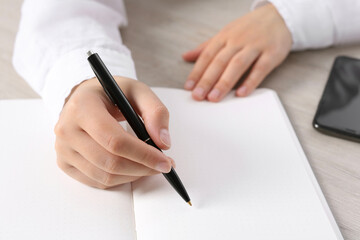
<point x="118" y="98"/>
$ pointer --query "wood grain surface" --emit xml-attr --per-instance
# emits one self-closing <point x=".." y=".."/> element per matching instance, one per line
<point x="160" y="31"/>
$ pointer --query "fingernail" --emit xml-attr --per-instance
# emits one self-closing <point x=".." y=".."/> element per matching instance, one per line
<point x="214" y="94"/>
<point x="189" y="84"/>
<point x="241" y="91"/>
<point x="199" y="92"/>
<point x="173" y="163"/>
<point x="164" y="167"/>
<point x="165" y="137"/>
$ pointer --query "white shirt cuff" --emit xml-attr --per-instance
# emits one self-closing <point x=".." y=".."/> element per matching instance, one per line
<point x="73" y="68"/>
<point x="309" y="21"/>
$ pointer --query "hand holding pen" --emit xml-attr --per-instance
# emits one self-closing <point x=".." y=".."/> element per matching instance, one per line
<point x="94" y="149"/>
<point x="119" y="99"/>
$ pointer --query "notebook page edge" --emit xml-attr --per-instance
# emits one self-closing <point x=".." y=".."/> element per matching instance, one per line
<point x="308" y="169"/>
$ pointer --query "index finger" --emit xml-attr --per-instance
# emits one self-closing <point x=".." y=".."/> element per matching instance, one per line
<point x="202" y="62"/>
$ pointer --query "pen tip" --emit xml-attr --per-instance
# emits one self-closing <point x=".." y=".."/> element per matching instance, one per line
<point x="89" y="53"/>
<point x="189" y="203"/>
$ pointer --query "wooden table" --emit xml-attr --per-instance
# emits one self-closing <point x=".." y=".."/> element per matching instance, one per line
<point x="160" y="30"/>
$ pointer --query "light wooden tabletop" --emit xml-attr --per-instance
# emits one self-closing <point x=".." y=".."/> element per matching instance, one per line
<point x="160" y="30"/>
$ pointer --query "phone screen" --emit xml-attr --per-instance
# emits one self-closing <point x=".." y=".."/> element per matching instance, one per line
<point x="339" y="108"/>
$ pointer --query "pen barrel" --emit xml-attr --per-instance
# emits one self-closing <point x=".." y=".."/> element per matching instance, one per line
<point x="117" y="96"/>
<point x="176" y="183"/>
<point x="173" y="178"/>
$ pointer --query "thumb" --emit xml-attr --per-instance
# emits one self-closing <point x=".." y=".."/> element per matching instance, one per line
<point x="192" y="55"/>
<point x="155" y="115"/>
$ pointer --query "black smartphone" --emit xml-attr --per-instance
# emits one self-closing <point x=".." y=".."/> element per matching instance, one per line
<point x="338" y="113"/>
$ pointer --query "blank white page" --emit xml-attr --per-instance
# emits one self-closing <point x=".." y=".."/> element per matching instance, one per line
<point x="244" y="170"/>
<point x="39" y="201"/>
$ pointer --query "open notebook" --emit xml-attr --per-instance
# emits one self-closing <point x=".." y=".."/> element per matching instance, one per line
<point x="239" y="159"/>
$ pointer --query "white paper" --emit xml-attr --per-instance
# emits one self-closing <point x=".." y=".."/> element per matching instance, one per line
<point x="239" y="159"/>
<point x="39" y="201"/>
<point x="244" y="170"/>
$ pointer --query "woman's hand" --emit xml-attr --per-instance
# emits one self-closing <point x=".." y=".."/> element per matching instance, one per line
<point x="258" y="41"/>
<point x="94" y="149"/>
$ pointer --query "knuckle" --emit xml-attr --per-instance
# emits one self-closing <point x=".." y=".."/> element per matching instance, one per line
<point x="60" y="149"/>
<point x="161" y="110"/>
<point x="147" y="159"/>
<point x="74" y="108"/>
<point x="219" y="40"/>
<point x="62" y="165"/>
<point x="115" y="143"/>
<point x="264" y="66"/>
<point x="72" y="105"/>
<point x="111" y="164"/>
<point x="108" y="179"/>
<point x="239" y="60"/>
<point x="220" y="62"/>
<point x="256" y="49"/>
<point x="206" y="55"/>
<point x="234" y="45"/>
<point x="59" y="129"/>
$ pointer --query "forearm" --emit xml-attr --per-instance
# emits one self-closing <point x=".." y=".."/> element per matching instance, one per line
<point x="53" y="38"/>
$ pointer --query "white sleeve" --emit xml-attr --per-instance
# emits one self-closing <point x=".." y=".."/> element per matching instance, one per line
<point x="319" y="23"/>
<point x="54" y="37"/>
